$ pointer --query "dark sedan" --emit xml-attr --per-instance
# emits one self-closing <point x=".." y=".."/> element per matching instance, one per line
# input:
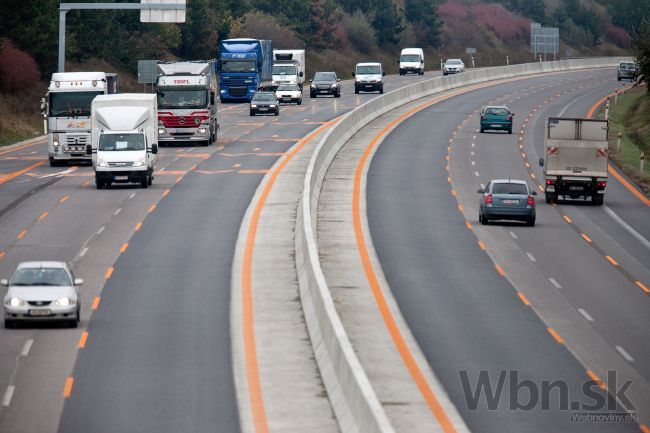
<point x="507" y="200"/>
<point x="265" y="103"/>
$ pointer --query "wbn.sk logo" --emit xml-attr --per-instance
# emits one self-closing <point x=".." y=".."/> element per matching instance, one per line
<point x="528" y="395"/>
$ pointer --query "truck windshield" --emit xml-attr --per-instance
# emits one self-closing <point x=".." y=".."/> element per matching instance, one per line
<point x="238" y="66"/>
<point x="71" y="104"/>
<point x="284" y="70"/>
<point x="368" y="70"/>
<point x="182" y="98"/>
<point x="111" y="142"/>
<point x="410" y="58"/>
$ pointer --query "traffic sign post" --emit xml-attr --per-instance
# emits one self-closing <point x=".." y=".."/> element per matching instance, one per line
<point x="164" y="11"/>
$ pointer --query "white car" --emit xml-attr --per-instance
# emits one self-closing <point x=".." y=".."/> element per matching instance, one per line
<point x="42" y="291"/>
<point x="453" y="66"/>
<point x="289" y="93"/>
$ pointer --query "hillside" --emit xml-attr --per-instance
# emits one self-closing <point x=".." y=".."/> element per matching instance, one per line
<point x="336" y="34"/>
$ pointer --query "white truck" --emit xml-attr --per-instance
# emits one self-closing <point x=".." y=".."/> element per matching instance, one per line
<point x="576" y="159"/>
<point x="124" y="144"/>
<point x="288" y="67"/>
<point x="186" y="106"/>
<point x="66" y="111"/>
<point x="411" y="60"/>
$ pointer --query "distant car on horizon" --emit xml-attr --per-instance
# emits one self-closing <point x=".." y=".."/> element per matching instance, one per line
<point x="496" y="118"/>
<point x="42" y="291"/>
<point x="264" y="103"/>
<point x="453" y="66"/>
<point x="507" y="199"/>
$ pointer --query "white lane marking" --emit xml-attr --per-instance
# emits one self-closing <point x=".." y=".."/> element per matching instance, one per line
<point x="639" y="237"/>
<point x="474" y="137"/>
<point x="132" y="195"/>
<point x="473" y="162"/>
<point x="83" y="252"/>
<point x="117" y="212"/>
<point x="566" y="107"/>
<point x="531" y="257"/>
<point x="472" y="153"/>
<point x="483" y="186"/>
<point x="514" y="236"/>
<point x="477" y="175"/>
<point x="27" y="347"/>
<point x="473" y="144"/>
<point x="6" y="399"/>
<point x="586" y="315"/>
<point x="555" y="283"/>
<point x="99" y="232"/>
<point x="624" y="353"/>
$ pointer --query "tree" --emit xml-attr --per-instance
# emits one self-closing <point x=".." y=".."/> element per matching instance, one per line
<point x="424" y="15"/>
<point x="641" y="40"/>
<point x="387" y="22"/>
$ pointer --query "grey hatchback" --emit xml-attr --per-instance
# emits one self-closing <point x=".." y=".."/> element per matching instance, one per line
<point x="507" y="200"/>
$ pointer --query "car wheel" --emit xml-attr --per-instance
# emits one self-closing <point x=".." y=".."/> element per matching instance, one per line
<point x="311" y="95"/>
<point x="150" y="178"/>
<point x="299" y="102"/>
<point x="482" y="130"/>
<point x="619" y="78"/>
<point x="510" y="131"/>
<point x="484" y="220"/>
<point x="9" y="324"/>
<point x="598" y="200"/>
<point x="381" y="91"/>
<point x="55" y="163"/>
<point x="356" y="91"/>
<point x="252" y="114"/>
<point x="531" y="222"/>
<point x="337" y="94"/>
<point x="277" y="112"/>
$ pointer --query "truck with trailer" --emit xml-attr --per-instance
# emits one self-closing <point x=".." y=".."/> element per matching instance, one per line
<point x="66" y="112"/>
<point x="245" y="66"/>
<point x="124" y="144"/>
<point x="576" y="159"/>
<point x="186" y="102"/>
<point x="288" y="67"/>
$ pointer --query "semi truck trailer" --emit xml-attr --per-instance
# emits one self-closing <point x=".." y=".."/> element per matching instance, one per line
<point x="245" y="66"/>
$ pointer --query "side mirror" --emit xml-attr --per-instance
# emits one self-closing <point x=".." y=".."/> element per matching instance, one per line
<point x="398" y="62"/>
<point x="89" y="149"/>
<point x="154" y="148"/>
<point x="301" y="74"/>
<point x="533" y="193"/>
<point x="383" y="73"/>
<point x="78" y="281"/>
<point x="4" y="282"/>
<point x="512" y="114"/>
<point x="43" y="106"/>
<point x="480" y="191"/>
<point x="541" y="162"/>
<point x="354" y="74"/>
<point x="338" y="80"/>
<point x="311" y="80"/>
<point x="211" y="98"/>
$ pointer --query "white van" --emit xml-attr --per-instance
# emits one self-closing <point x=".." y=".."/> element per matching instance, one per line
<point x="411" y="60"/>
<point x="368" y="77"/>
<point x="124" y="138"/>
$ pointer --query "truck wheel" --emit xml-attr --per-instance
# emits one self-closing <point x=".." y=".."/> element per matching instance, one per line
<point x="144" y="182"/>
<point x="619" y="78"/>
<point x="356" y="91"/>
<point x="510" y="131"/>
<point x="150" y="179"/>
<point x="598" y="200"/>
<point x="55" y="163"/>
<point x="10" y="324"/>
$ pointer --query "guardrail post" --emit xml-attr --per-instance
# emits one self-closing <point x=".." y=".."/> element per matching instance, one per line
<point x="618" y="143"/>
<point x="607" y="109"/>
<point x="641" y="163"/>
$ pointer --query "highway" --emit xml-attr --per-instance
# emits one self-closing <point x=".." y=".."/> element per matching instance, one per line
<point x="156" y="353"/>
<point x="460" y="302"/>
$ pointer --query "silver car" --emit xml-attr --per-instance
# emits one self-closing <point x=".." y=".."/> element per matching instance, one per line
<point x="42" y="291"/>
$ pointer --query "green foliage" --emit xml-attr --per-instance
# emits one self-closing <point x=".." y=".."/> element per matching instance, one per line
<point x="360" y="32"/>
<point x="424" y="16"/>
<point x="641" y="41"/>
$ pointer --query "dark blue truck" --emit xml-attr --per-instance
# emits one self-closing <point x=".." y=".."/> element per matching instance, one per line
<point x="244" y="66"/>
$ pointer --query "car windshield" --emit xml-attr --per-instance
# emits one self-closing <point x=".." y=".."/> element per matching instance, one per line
<point x="288" y="87"/>
<point x="509" y="188"/>
<point x="284" y="70"/>
<point x="111" y="142"/>
<point x="409" y="58"/>
<point x="325" y="76"/>
<point x="367" y="70"/>
<point x="182" y="98"/>
<point x="71" y="104"/>
<point x="454" y="62"/>
<point x="41" y="277"/>
<point x="497" y="111"/>
<point x="238" y="66"/>
<point x="630" y="66"/>
<point x="265" y="97"/>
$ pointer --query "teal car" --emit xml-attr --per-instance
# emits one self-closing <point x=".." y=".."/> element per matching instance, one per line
<point x="496" y="118"/>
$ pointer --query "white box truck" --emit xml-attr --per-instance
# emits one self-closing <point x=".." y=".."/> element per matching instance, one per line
<point x="575" y="164"/>
<point x="288" y="67"/>
<point x="186" y="107"/>
<point x="411" y="60"/>
<point x="124" y="138"/>
<point x="66" y="111"/>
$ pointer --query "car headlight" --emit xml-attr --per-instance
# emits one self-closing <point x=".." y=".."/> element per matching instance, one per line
<point x="313" y="86"/>
<point x="253" y="106"/>
<point x="101" y="163"/>
<point x="333" y="86"/>
<point x="272" y="105"/>
<point x="139" y="162"/>
<point x="16" y="302"/>
<point x="162" y="131"/>
<point x="63" y="302"/>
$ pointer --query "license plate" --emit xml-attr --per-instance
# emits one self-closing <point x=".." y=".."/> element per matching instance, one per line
<point x="576" y="188"/>
<point x="324" y="91"/>
<point x="286" y="99"/>
<point x="495" y="126"/>
<point x="510" y="201"/>
<point x="264" y="109"/>
<point x="121" y="177"/>
<point x="368" y="85"/>
<point x="40" y="312"/>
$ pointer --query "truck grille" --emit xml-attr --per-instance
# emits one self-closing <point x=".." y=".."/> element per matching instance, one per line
<point x="121" y="164"/>
<point x="238" y="81"/>
<point x="237" y="91"/>
<point x="39" y="303"/>
<point x="76" y="143"/>
<point x="182" y="121"/>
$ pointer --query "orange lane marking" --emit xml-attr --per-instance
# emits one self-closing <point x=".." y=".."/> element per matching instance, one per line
<point x="447" y="167"/>
<point x="85" y="183"/>
<point x="236" y="165"/>
<point x="523" y="155"/>
<point x="248" y="326"/>
<point x="108" y="273"/>
<point x="15" y="174"/>
<point x="532" y="175"/>
<point x="460" y="207"/>
<point x="449" y="179"/>
<point x="171" y="172"/>
<point x="638" y="283"/>
<point x="195" y="155"/>
<point x="82" y="340"/>
<point x="179" y="178"/>
<point x="596" y="379"/>
<point x="2" y="254"/>
<point x="22" y="234"/>
<point x="453" y="192"/>
<point x="481" y="245"/>
<point x="541" y="188"/>
<point x="468" y="224"/>
<point x="611" y="260"/>
<point x="555" y="335"/>
<point x="96" y="302"/>
<point x="43" y="216"/>
<point x="166" y="192"/>
<point x="152" y="208"/>
<point x="67" y="389"/>
<point x="138" y="226"/>
<point x="500" y="270"/>
<point x="585" y="237"/>
<point x="527" y="164"/>
<point x="524" y="299"/>
<point x="644" y="428"/>
<point x="567" y="219"/>
<point x="124" y="247"/>
<point x="252" y="171"/>
<point x="64" y="199"/>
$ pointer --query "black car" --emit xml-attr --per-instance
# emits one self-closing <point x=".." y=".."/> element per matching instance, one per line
<point x="325" y="83"/>
<point x="265" y="103"/>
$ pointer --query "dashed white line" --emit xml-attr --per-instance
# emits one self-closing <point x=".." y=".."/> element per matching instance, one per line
<point x="555" y="283"/>
<point x="531" y="257"/>
<point x="99" y="232"/>
<point x="514" y="236"/>
<point x="586" y="315"/>
<point x="83" y="252"/>
<point x="472" y="153"/>
<point x="624" y="353"/>
<point x="117" y="212"/>
<point x="474" y="137"/>
<point x="27" y="347"/>
<point x="473" y="162"/>
<point x="476" y="173"/>
<point x="132" y="195"/>
<point x="483" y="186"/>
<point x="473" y="144"/>
<point x="6" y="399"/>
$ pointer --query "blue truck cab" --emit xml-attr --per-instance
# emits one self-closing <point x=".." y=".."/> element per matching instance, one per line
<point x="244" y="66"/>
